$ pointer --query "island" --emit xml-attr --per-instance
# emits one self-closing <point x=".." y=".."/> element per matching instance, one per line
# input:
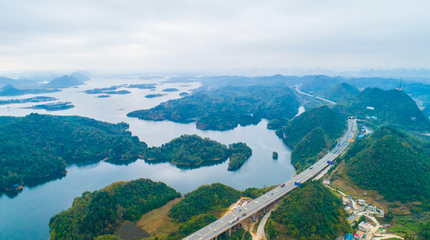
<point x="170" y="90"/>
<point x="58" y="106"/>
<point x="239" y="153"/>
<point x="26" y="100"/>
<point x="184" y="94"/>
<point x="108" y="90"/>
<point x="225" y="108"/>
<point x="275" y="155"/>
<point x="192" y="150"/>
<point x="40" y="145"/>
<point x="142" y="86"/>
<point x="154" y="95"/>
<point x="103" y="96"/>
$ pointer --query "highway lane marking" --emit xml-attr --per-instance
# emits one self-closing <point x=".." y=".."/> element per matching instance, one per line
<point x="288" y="188"/>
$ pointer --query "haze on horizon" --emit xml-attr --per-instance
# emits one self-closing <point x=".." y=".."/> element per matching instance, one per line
<point x="213" y="36"/>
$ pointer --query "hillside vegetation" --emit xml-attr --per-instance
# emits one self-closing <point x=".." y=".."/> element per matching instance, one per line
<point x="38" y="145"/>
<point x="311" y="148"/>
<point x="303" y="124"/>
<point x="101" y="212"/>
<point x="393" y="163"/>
<point x="310" y="212"/>
<point x="391" y="107"/>
<point x="227" y="107"/>
<point x="311" y="134"/>
<point x="341" y="92"/>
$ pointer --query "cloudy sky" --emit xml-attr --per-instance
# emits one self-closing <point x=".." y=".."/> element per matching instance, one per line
<point x="158" y="35"/>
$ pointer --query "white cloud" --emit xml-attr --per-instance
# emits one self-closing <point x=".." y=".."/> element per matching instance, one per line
<point x="213" y="35"/>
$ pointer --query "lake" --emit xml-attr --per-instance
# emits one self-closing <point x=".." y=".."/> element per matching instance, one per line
<point x="26" y="215"/>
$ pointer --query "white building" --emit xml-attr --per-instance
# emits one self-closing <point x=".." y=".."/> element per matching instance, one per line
<point x="371" y="209"/>
<point x="364" y="227"/>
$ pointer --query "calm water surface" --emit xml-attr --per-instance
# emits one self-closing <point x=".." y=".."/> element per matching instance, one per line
<point x="26" y="215"/>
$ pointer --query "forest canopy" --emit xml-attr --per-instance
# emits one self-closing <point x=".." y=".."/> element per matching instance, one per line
<point x="39" y="145"/>
<point x="101" y="212"/>
<point x="225" y="108"/>
<point x="311" y="211"/>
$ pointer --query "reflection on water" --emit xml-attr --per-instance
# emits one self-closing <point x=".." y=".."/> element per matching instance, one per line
<point x="25" y="214"/>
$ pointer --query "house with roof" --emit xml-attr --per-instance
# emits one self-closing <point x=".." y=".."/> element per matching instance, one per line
<point x="349" y="236"/>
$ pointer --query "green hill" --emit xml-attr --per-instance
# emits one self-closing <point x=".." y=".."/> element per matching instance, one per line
<point x="102" y="212"/>
<point x="38" y="145"/>
<point x="342" y="92"/>
<point x="225" y="108"/>
<point x="391" y="107"/>
<point x="311" y="148"/>
<point x="310" y="212"/>
<point x="393" y="163"/>
<point x="194" y="150"/>
<point x="302" y="125"/>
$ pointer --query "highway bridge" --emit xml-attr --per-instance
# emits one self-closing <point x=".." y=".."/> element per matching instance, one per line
<point x="227" y="222"/>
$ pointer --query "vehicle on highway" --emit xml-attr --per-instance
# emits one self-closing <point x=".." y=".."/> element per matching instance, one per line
<point x="244" y="214"/>
<point x="283" y="185"/>
<point x="311" y="167"/>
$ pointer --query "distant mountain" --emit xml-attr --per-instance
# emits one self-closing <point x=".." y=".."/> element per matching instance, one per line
<point x="342" y="92"/>
<point x="319" y="84"/>
<point x="7" y="87"/>
<point x="380" y="107"/>
<point x="393" y="163"/>
<point x="310" y="212"/>
<point x="302" y="125"/>
<point x="63" y="82"/>
<point x="10" y="90"/>
<point x="80" y="77"/>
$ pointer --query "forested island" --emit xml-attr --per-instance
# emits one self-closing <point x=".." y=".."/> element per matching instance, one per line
<point x="142" y="86"/>
<point x="225" y="108"/>
<point x="39" y="145"/>
<point x="57" y="106"/>
<point x="154" y="95"/>
<point x="192" y="150"/>
<point x="102" y="212"/>
<point x="26" y="100"/>
<point x="108" y="90"/>
<point x="170" y="90"/>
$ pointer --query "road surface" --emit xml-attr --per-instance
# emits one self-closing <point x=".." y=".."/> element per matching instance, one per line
<point x="224" y="223"/>
<point x="313" y="96"/>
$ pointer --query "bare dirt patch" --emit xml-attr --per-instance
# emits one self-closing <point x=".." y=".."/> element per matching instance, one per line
<point x="157" y="223"/>
<point x="129" y="231"/>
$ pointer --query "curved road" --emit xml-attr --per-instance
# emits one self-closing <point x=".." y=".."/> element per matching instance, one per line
<point x="313" y="96"/>
<point x="223" y="224"/>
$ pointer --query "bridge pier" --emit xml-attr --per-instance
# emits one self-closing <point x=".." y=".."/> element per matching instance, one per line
<point x="229" y="232"/>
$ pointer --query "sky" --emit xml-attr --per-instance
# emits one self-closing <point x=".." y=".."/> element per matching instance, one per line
<point x="158" y="35"/>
